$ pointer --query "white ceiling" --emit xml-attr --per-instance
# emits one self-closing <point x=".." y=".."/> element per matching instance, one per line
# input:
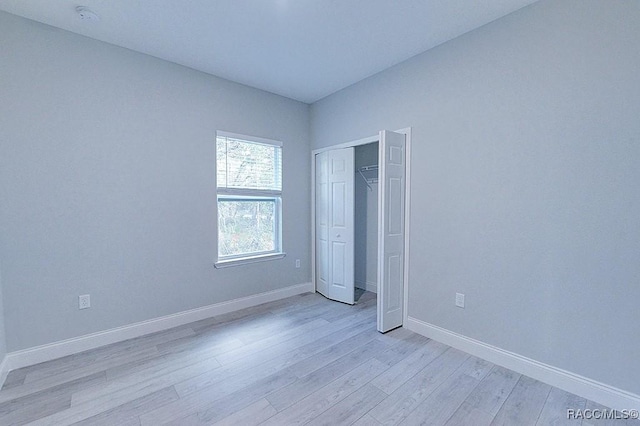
<point x="301" y="49"/>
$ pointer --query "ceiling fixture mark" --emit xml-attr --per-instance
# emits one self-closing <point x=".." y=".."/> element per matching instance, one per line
<point x="86" y="14"/>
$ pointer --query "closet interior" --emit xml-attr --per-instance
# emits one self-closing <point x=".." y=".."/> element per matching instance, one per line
<point x="366" y="219"/>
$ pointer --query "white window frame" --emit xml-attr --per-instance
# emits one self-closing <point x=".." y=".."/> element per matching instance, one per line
<point x="245" y="194"/>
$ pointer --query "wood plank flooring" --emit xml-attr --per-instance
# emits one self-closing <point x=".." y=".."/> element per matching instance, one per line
<point x="301" y="360"/>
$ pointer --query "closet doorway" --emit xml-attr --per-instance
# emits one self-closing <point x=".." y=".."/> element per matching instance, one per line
<point x="360" y="193"/>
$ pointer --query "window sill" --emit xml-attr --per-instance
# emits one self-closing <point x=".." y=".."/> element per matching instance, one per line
<point x="247" y="260"/>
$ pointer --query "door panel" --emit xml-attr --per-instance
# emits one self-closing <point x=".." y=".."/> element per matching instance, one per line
<point x="338" y="266"/>
<point x="394" y="263"/>
<point x="392" y="178"/>
<point x="322" y="223"/>
<point x="395" y="216"/>
<point x="339" y="204"/>
<point x="341" y="225"/>
<point x="335" y="224"/>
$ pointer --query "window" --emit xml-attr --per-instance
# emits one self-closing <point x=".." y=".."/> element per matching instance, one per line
<point x="249" y="192"/>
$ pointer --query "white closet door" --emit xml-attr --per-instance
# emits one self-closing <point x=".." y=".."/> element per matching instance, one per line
<point x="322" y="223"/>
<point x="392" y="178"/>
<point x="341" y="225"/>
<point x="335" y="231"/>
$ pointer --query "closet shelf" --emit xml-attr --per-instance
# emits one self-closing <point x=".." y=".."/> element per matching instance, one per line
<point x="373" y="167"/>
<point x="369" y="171"/>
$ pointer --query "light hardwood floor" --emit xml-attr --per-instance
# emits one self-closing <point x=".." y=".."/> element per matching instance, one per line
<point x="301" y="360"/>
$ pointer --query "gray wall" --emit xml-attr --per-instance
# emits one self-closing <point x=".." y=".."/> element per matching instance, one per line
<point x="107" y="184"/>
<point x="525" y="181"/>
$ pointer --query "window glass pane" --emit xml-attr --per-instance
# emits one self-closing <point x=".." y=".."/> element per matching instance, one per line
<point x="246" y="226"/>
<point x="248" y="165"/>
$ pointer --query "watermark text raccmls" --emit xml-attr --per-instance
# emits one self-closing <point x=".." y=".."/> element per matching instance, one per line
<point x="601" y="414"/>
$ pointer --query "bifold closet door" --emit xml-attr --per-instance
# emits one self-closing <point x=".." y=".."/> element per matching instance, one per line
<point x="335" y="232"/>
<point x="322" y="223"/>
<point x="391" y="210"/>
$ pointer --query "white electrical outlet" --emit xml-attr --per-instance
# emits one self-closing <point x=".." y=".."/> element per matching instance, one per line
<point x="460" y="300"/>
<point x="297" y="263"/>
<point x="84" y="301"/>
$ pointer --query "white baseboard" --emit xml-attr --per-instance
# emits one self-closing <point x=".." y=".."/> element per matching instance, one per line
<point x="601" y="393"/>
<point x="48" y="352"/>
<point x="4" y="370"/>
